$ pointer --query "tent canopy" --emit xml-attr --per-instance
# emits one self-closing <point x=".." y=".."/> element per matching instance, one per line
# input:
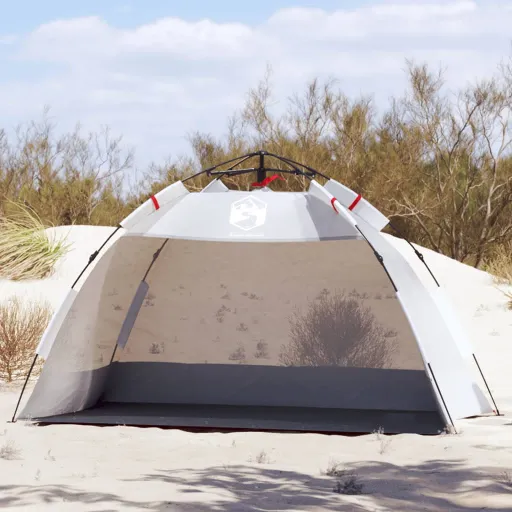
<point x="260" y="310"/>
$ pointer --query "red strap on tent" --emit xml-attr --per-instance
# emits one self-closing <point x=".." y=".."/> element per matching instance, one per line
<point x="332" y="204"/>
<point x="267" y="180"/>
<point x="155" y="202"/>
<point x="356" y="200"/>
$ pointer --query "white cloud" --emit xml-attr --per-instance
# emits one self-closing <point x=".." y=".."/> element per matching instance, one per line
<point x="159" y="81"/>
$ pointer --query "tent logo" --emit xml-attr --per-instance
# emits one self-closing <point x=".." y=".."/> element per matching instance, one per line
<point x="248" y="213"/>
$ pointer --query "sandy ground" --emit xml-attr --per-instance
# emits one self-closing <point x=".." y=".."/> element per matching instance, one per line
<point x="123" y="468"/>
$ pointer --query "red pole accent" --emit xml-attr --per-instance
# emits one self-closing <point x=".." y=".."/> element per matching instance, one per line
<point x="267" y="180"/>
<point x="356" y="200"/>
<point x="332" y="204"/>
<point x="155" y="202"/>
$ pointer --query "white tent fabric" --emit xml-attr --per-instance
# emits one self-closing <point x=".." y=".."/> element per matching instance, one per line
<point x="116" y="338"/>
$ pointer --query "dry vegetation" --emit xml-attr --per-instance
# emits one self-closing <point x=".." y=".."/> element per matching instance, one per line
<point x="437" y="161"/>
<point x="336" y="330"/>
<point x="21" y="328"/>
<point x="27" y="250"/>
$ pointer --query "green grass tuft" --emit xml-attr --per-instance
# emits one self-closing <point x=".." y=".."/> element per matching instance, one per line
<point x="27" y="251"/>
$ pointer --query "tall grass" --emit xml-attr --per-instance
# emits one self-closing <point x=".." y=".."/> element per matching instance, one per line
<point x="27" y="250"/>
<point x="500" y="266"/>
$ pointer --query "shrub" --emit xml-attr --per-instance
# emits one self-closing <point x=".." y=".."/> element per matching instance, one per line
<point x="262" y="458"/>
<point x="238" y="354"/>
<point x="27" y="250"/>
<point x="334" y="468"/>
<point x="261" y="350"/>
<point x="9" y="451"/>
<point x="336" y="331"/>
<point x="21" y="328"/>
<point x="350" y="485"/>
<point x="500" y="264"/>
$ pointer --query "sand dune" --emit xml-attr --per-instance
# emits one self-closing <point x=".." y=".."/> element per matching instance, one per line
<point x="121" y="468"/>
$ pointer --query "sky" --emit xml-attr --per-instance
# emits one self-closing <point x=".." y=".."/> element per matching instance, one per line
<point x="155" y="71"/>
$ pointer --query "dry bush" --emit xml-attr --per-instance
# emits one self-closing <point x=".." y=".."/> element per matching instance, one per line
<point x="334" y="468"/>
<point x="9" y="451"/>
<point x="336" y="330"/>
<point x="261" y="458"/>
<point x="74" y="178"/>
<point x="500" y="264"/>
<point x="21" y="328"/>
<point x="438" y="162"/>
<point x="27" y="250"/>
<point x="350" y="485"/>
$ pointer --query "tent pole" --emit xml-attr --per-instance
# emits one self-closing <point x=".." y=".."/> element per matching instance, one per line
<point x="487" y="386"/>
<point x="113" y="354"/>
<point x="441" y="395"/>
<point x="92" y="257"/>
<point x="13" y="420"/>
<point x="155" y="257"/>
<point x="261" y="173"/>
<point x="418" y="253"/>
<point x="379" y="258"/>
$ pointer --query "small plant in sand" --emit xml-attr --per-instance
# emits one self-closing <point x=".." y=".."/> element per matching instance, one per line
<point x="156" y="348"/>
<point x="347" y="482"/>
<point x="49" y="456"/>
<point x="242" y="327"/>
<point x="21" y="328"/>
<point x="27" y="250"/>
<point x="384" y="442"/>
<point x="262" y="458"/>
<point x="334" y="468"/>
<point x="9" y="451"/>
<point x="349" y="485"/>
<point x="261" y="350"/>
<point x="221" y="312"/>
<point x="238" y="354"/>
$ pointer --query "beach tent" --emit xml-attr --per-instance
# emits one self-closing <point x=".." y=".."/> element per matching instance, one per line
<point x="260" y="310"/>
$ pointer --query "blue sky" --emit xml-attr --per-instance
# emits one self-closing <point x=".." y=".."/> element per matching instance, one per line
<point x="25" y="15"/>
<point x="153" y="72"/>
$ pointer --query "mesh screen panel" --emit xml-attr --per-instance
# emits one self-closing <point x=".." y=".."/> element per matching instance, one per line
<point x="290" y="304"/>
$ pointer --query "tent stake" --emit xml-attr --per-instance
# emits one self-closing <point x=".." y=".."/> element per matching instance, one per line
<point x="23" y="389"/>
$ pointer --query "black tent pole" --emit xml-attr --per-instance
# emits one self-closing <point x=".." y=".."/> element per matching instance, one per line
<point x="261" y="173"/>
<point x="496" y="410"/>
<point x="24" y="386"/>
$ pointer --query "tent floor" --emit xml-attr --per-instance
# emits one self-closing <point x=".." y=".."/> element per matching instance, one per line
<point x="253" y="418"/>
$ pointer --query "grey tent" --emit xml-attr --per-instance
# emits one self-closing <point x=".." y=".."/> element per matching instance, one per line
<point x="256" y="310"/>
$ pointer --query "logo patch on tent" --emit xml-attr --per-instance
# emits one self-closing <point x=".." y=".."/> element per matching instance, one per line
<point x="248" y="213"/>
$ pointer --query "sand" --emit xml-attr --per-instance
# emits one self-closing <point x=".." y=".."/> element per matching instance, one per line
<point x="123" y="468"/>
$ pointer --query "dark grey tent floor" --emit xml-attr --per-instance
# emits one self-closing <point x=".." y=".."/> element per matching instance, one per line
<point x="253" y="418"/>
